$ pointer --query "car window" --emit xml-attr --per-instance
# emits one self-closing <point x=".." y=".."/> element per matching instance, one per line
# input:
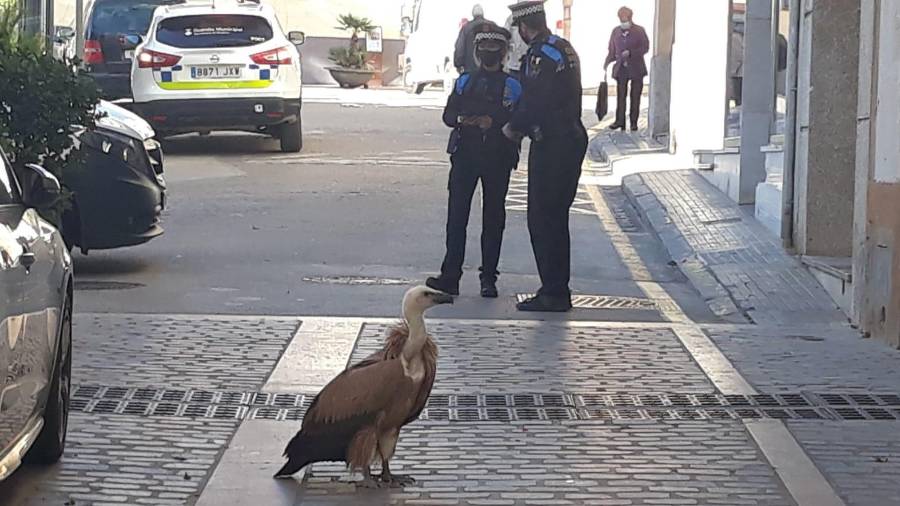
<point x="9" y="190"/>
<point x="128" y="17"/>
<point x="214" y="31"/>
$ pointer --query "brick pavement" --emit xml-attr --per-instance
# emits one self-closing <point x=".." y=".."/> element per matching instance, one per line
<point x="185" y="352"/>
<point x="568" y="464"/>
<point x="861" y="458"/>
<point x="118" y="459"/>
<point x="614" y="455"/>
<point x="737" y="265"/>
<point x="156" y="460"/>
<point x="552" y="357"/>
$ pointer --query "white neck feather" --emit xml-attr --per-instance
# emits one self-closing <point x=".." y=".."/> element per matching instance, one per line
<point x="417" y="334"/>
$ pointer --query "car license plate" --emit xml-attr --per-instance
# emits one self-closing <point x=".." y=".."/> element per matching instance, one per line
<point x="129" y="55"/>
<point x="216" y="72"/>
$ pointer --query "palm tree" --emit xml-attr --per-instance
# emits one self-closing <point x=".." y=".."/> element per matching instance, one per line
<point x="349" y="22"/>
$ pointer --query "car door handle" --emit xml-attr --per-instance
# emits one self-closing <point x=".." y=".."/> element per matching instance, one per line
<point x="27" y="260"/>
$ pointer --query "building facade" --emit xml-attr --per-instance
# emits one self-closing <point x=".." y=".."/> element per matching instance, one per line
<point x="791" y="106"/>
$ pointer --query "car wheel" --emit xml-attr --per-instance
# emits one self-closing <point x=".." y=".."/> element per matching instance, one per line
<point x="291" y="137"/>
<point x="51" y="442"/>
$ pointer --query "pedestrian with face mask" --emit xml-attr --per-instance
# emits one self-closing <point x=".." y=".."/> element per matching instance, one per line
<point x="628" y="45"/>
<point x="481" y="103"/>
<point x="550" y="113"/>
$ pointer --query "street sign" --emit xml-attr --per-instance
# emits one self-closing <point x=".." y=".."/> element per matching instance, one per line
<point x="374" y="42"/>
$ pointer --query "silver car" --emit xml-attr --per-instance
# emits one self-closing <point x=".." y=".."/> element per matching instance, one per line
<point x="35" y="321"/>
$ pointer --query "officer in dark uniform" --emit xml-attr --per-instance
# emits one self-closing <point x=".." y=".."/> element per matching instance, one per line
<point x="480" y="105"/>
<point x="549" y="113"/>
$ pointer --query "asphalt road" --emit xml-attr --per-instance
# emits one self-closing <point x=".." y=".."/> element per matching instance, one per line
<point x="339" y="229"/>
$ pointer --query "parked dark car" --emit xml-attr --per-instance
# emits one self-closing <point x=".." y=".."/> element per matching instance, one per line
<point x="120" y="196"/>
<point x="35" y="322"/>
<point x="112" y="31"/>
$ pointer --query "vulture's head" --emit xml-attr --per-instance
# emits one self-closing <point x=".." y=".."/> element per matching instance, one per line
<point x="419" y="299"/>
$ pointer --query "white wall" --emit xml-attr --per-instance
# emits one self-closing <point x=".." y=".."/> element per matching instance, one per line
<point x="699" y="58"/>
<point x="318" y="17"/>
<point x="887" y="149"/>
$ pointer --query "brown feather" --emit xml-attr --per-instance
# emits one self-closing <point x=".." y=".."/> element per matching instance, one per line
<point x="361" y="451"/>
<point x="346" y="417"/>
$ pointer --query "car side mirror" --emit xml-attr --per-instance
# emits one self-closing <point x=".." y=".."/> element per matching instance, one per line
<point x="41" y="188"/>
<point x="65" y="34"/>
<point x="297" y="38"/>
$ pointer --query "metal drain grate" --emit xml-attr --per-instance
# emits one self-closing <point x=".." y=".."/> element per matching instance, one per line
<point x="499" y="407"/>
<point x="357" y="281"/>
<point x="611" y="302"/>
<point x="96" y="285"/>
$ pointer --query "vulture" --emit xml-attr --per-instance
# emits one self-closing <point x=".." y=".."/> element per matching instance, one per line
<point x="357" y="417"/>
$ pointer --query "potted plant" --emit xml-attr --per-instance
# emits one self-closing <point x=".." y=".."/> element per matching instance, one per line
<point x="352" y="70"/>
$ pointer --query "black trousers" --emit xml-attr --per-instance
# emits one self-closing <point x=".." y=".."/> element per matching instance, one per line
<point x="554" y="168"/>
<point x="637" y="88"/>
<point x="466" y="171"/>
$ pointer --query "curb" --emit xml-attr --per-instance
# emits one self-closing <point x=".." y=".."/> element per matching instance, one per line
<point x="656" y="216"/>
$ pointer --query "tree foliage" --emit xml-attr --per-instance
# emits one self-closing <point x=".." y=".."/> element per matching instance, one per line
<point x="43" y="101"/>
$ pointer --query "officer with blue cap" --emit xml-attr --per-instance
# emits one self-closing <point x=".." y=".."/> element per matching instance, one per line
<point x="550" y="113"/>
<point x="481" y="103"/>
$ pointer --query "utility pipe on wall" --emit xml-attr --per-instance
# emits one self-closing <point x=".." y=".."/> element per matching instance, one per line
<point x="790" y="127"/>
<point x="79" y="29"/>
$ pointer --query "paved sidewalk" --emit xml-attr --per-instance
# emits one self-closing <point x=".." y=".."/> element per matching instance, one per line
<point x="738" y="265"/>
<point x="608" y="147"/>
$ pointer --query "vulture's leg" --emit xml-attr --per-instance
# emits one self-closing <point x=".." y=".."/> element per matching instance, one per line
<point x="368" y="481"/>
<point x="387" y="443"/>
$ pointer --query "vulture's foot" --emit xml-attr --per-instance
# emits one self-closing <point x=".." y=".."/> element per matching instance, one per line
<point x="397" y="480"/>
<point x="370" y="483"/>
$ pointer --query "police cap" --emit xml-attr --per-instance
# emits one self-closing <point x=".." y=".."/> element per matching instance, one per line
<point x="525" y="9"/>
<point x="490" y="37"/>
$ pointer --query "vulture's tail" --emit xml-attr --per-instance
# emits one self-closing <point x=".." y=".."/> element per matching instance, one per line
<point x="293" y="465"/>
<point x="303" y="450"/>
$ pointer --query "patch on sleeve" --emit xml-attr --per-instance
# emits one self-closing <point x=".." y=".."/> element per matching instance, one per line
<point x="461" y="83"/>
<point x="512" y="93"/>
<point x="553" y="53"/>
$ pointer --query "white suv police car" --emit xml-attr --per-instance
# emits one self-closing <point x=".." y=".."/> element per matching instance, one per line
<point x="219" y="65"/>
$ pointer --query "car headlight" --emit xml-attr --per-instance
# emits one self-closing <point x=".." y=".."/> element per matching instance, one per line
<point x="151" y="144"/>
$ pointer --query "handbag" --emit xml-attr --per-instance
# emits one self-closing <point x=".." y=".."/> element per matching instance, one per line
<point x="602" y="99"/>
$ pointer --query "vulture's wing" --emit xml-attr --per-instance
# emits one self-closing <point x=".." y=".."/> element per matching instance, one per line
<point x="359" y="392"/>
<point x="429" y="355"/>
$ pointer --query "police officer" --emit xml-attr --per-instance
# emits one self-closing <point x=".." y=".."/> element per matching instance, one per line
<point x="481" y="103"/>
<point x="550" y="113"/>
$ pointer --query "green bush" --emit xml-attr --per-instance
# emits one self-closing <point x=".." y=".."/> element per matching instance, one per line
<point x="43" y="102"/>
<point x="349" y="57"/>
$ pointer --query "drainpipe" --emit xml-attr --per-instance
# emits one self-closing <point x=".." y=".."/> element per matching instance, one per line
<point x="79" y="29"/>
<point x="567" y="19"/>
<point x="790" y="127"/>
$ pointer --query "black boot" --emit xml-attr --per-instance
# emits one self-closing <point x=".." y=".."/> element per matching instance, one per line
<point x="546" y="304"/>
<point x="442" y="284"/>
<point x="489" y="288"/>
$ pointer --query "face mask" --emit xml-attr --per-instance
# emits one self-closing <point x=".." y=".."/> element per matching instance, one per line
<point x="626" y="25"/>
<point x="490" y="58"/>
<point x="524" y="37"/>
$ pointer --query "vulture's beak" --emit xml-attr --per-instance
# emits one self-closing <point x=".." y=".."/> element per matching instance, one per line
<point x="442" y="298"/>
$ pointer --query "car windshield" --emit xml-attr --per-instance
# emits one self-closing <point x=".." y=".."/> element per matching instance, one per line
<point x="129" y="17"/>
<point x="8" y="192"/>
<point x="214" y="31"/>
